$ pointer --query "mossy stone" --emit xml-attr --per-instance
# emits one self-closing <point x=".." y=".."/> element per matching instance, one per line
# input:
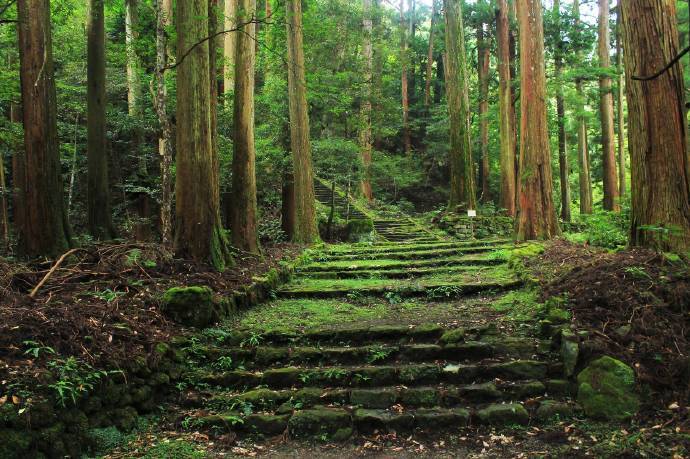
<point x="550" y="409"/>
<point x="558" y="315"/>
<point x="435" y="418"/>
<point x="318" y="422"/>
<point x="342" y="434"/>
<point x="282" y="377"/>
<point x="373" y="398"/>
<point x="528" y="389"/>
<point x="269" y="355"/>
<point x="453" y="336"/>
<point x="607" y="390"/>
<point x="500" y="414"/>
<point x="125" y="418"/>
<point x="368" y="420"/>
<point x="264" y="398"/>
<point x="191" y="306"/>
<point x="15" y="443"/>
<point x="522" y="369"/>
<point x="142" y="394"/>
<point x="428" y="330"/>
<point x="159" y="379"/>
<point x="266" y="424"/>
<point x="570" y="351"/>
<point x="481" y="392"/>
<point x="418" y="396"/>
<point x="416" y="374"/>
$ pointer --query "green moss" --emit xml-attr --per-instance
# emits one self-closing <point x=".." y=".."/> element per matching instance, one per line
<point x="193" y="306"/>
<point x="178" y="449"/>
<point x="453" y="336"/>
<point x="519" y="305"/>
<point x="607" y="390"/>
<point x="14" y="443"/>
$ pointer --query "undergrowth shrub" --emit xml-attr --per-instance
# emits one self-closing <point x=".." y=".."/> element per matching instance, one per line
<point x="603" y="229"/>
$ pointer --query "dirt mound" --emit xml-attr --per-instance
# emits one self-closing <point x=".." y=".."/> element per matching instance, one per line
<point x="635" y="304"/>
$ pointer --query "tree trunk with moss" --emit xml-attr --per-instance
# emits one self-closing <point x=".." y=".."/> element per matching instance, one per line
<point x="98" y="192"/>
<point x="200" y="234"/>
<point x="404" y="89"/>
<point x="462" y="186"/>
<point x="305" y="230"/>
<point x="430" y="57"/>
<point x="40" y="214"/>
<point x="606" y="113"/>
<point x="660" y="187"/>
<point x="365" y="136"/>
<point x="229" y="45"/>
<point x="505" y="110"/>
<point x="483" y="59"/>
<point x="620" y="96"/>
<point x="536" y="217"/>
<point x="584" y="174"/>
<point x="244" y="209"/>
<point x="563" y="166"/>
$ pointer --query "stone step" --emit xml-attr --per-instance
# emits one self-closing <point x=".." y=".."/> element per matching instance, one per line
<point x="420" y="254"/>
<point x="265" y="356"/>
<point x="355" y="265"/>
<point x="328" y="423"/>
<point x="408" y="375"/>
<point x="437" y="244"/>
<point x="432" y="289"/>
<point x="446" y="396"/>
<point x="365" y="335"/>
<point x="388" y="273"/>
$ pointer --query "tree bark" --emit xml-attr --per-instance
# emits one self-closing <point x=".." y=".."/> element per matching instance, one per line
<point x="430" y="58"/>
<point x="244" y="210"/>
<point x="42" y="219"/>
<point x="585" y="179"/>
<point x="462" y="186"/>
<point x="229" y="46"/>
<point x="563" y="166"/>
<point x="622" y="187"/>
<point x="165" y="147"/>
<point x="4" y="218"/>
<point x="404" y="90"/>
<point x="483" y="59"/>
<point x="505" y="109"/>
<point x="200" y="233"/>
<point x="536" y="214"/>
<point x="305" y="230"/>
<point x="98" y="193"/>
<point x="660" y="166"/>
<point x="606" y="113"/>
<point x="365" y="136"/>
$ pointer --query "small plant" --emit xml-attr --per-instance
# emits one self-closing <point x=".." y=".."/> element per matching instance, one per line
<point x="254" y="340"/>
<point x="305" y="377"/>
<point x="443" y="291"/>
<point x="335" y="373"/>
<point x="378" y="353"/>
<point x="74" y="379"/>
<point x="393" y="297"/>
<point x="360" y="378"/>
<point x="107" y="295"/>
<point x="638" y="272"/>
<point x="223" y="363"/>
<point x="35" y="349"/>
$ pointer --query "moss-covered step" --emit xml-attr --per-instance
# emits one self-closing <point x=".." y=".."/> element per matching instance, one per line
<point x="420" y="254"/>
<point x="266" y="356"/>
<point x="390" y="273"/>
<point x="488" y="259"/>
<point x="447" y="396"/>
<point x="377" y="248"/>
<point x="432" y="287"/>
<point x="408" y="375"/>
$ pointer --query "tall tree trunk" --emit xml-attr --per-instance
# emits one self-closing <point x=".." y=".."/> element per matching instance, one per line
<point x="606" y="113"/>
<point x="536" y="214"/>
<point x="430" y="58"/>
<point x="582" y="141"/>
<point x="244" y="215"/>
<point x="439" y="81"/>
<point x="4" y="218"/>
<point x="365" y="136"/>
<point x="483" y="58"/>
<point x="42" y="222"/>
<point x="305" y="210"/>
<point x="229" y="45"/>
<point x="287" y="210"/>
<point x="200" y="233"/>
<point x="213" y="47"/>
<point x="658" y="128"/>
<point x="404" y="89"/>
<point x="462" y="187"/>
<point x="622" y="188"/>
<point x="98" y="193"/>
<point x="564" y="169"/>
<point x="134" y="95"/>
<point x="411" y="67"/>
<point x="505" y="109"/>
<point x="165" y="148"/>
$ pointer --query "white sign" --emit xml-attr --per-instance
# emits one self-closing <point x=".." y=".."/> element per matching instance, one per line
<point x="471" y="213"/>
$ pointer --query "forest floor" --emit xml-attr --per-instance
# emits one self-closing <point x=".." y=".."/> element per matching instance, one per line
<point x="355" y="301"/>
<point x="379" y="322"/>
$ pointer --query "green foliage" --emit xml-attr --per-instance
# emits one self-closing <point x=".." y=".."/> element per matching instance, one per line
<point x="603" y="229"/>
<point x="74" y="378"/>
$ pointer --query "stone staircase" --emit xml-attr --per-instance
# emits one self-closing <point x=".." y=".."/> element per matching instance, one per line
<point x="345" y="211"/>
<point x="340" y="380"/>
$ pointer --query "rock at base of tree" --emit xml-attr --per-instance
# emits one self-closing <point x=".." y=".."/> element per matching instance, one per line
<point x="607" y="390"/>
<point x="191" y="306"/>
